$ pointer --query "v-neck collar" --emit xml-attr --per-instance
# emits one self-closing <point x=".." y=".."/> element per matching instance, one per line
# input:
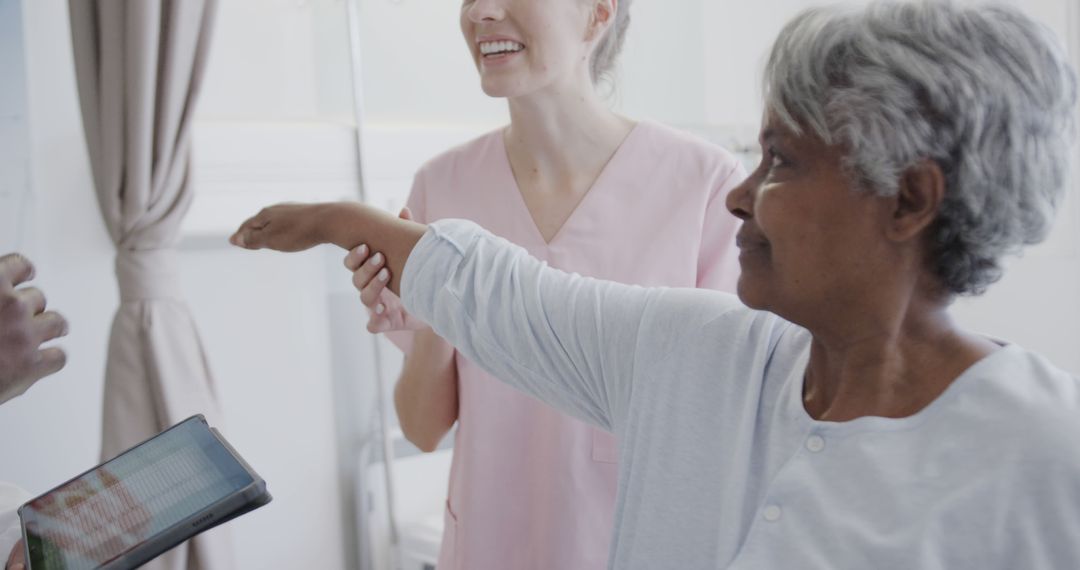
<point x="519" y="197"/>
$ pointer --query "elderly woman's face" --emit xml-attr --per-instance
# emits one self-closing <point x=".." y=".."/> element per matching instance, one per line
<point x="809" y="242"/>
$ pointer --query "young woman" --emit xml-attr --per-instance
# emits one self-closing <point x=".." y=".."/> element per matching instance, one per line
<point x="587" y="191"/>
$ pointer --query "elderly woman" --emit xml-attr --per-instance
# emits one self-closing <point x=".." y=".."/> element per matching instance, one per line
<point x="843" y="420"/>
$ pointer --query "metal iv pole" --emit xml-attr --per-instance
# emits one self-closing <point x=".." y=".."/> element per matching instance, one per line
<point x="384" y="429"/>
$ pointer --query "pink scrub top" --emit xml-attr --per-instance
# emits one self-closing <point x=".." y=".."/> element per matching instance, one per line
<point x="531" y="488"/>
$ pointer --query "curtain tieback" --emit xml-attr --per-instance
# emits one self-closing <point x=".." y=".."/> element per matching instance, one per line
<point x="147" y="274"/>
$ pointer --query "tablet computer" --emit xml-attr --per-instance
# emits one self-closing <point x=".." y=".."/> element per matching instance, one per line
<point x="140" y="504"/>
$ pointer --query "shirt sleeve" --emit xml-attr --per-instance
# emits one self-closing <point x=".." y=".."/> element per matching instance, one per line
<point x="565" y="339"/>
<point x="718" y="260"/>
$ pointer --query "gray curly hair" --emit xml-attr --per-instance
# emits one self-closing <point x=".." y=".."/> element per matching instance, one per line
<point x="607" y="51"/>
<point x="982" y="90"/>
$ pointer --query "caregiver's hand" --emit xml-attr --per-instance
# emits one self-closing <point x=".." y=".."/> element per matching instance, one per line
<point x="370" y="276"/>
<point x="284" y="227"/>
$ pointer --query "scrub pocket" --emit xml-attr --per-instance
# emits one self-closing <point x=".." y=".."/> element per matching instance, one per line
<point x="448" y="551"/>
<point x="605" y="448"/>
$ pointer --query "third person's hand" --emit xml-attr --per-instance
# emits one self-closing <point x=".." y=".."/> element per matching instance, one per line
<point x="24" y="326"/>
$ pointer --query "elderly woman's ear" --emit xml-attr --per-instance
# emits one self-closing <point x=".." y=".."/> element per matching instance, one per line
<point x="917" y="200"/>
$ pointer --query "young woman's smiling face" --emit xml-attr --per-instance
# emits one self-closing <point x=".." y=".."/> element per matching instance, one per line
<point x="523" y="46"/>
<point x="809" y="237"/>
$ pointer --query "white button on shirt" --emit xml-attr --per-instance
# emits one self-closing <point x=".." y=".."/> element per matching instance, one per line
<point x="772" y="513"/>
<point x="815" y="443"/>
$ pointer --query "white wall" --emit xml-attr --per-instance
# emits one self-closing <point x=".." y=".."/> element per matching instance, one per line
<point x="273" y="124"/>
<point x="263" y="319"/>
<point x="278" y="60"/>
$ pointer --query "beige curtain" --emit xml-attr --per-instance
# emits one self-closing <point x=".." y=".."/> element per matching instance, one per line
<point x="139" y="64"/>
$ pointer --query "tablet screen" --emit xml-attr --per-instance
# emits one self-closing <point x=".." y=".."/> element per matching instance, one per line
<point x="107" y="511"/>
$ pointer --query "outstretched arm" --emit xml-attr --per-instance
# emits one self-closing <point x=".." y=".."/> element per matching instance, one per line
<point x="565" y="339"/>
<point x="296" y="227"/>
<point x="568" y="340"/>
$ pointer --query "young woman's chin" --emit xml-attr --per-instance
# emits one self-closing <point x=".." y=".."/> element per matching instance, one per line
<point x="502" y="87"/>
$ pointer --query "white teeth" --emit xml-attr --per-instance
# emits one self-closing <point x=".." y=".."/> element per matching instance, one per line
<point x="488" y="48"/>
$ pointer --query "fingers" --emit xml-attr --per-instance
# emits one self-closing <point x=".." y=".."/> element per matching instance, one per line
<point x="32" y="299"/>
<point x="50" y="325"/>
<point x="370" y="276"/>
<point x="15" y="269"/>
<point x="371" y="270"/>
<point x="371" y="294"/>
<point x="355" y="258"/>
<point x="52" y="361"/>
<point x="28" y="307"/>
<point x="248" y="235"/>
<point x="405" y="214"/>
<point x="44" y="363"/>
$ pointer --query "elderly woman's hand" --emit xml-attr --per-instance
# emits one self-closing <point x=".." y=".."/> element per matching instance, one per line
<point x="283" y="227"/>
<point x="370" y="276"/>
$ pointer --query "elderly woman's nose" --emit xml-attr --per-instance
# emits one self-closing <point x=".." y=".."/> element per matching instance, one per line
<point x="487" y="10"/>
<point x="740" y="201"/>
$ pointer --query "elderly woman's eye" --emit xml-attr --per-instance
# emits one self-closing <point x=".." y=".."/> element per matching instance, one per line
<point x="775" y="159"/>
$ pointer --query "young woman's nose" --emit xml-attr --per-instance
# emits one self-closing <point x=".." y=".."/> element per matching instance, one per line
<point x="487" y="11"/>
